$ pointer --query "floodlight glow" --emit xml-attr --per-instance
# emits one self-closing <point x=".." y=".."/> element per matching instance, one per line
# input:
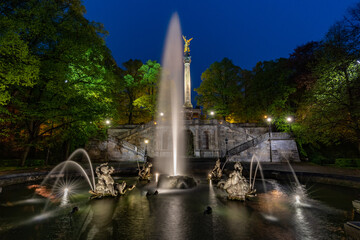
<point x="212" y="113"/>
<point x="146" y="141"/>
<point x="107" y="121"/>
<point x="268" y="119"/>
<point x="289" y="119"/>
<point x="161" y="114"/>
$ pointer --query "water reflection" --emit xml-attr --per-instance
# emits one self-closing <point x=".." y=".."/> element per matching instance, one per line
<point x="99" y="222"/>
<point x="177" y="215"/>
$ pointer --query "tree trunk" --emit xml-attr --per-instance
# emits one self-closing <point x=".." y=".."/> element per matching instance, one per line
<point x="25" y="155"/>
<point x="130" y="117"/>
<point x="47" y="157"/>
<point x="67" y="149"/>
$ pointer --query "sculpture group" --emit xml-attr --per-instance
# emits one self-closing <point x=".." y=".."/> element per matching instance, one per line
<point x="236" y="186"/>
<point x="106" y="185"/>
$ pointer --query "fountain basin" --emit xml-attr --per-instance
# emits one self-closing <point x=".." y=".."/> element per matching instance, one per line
<point x="176" y="182"/>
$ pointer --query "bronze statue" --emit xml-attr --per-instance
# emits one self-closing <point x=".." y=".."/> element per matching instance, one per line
<point x="145" y="172"/>
<point x="236" y="185"/>
<point x="106" y="185"/>
<point x="216" y="173"/>
<point x="187" y="44"/>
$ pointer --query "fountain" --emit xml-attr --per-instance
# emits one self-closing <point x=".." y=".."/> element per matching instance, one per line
<point x="104" y="187"/>
<point x="170" y="103"/>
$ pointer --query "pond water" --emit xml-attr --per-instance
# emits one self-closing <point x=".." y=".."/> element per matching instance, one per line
<point x="177" y="214"/>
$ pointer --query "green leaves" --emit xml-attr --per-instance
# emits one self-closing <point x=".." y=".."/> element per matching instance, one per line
<point x="220" y="89"/>
<point x="56" y="72"/>
<point x="18" y="67"/>
<point x="138" y="93"/>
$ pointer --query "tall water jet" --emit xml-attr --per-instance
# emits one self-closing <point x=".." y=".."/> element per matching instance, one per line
<point x="170" y="100"/>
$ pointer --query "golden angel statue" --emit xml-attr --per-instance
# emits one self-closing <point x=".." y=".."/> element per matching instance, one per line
<point x="187" y="43"/>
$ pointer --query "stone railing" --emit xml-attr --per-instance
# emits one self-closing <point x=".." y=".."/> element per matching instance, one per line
<point x="131" y="147"/>
<point x="252" y="143"/>
<point x="279" y="136"/>
<point x="246" y="145"/>
<point x="137" y="129"/>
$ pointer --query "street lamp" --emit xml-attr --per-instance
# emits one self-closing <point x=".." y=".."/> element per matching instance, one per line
<point x="146" y="141"/>
<point x="107" y="122"/>
<point x="162" y="114"/>
<point x="226" y="149"/>
<point x="269" y="121"/>
<point x="289" y="120"/>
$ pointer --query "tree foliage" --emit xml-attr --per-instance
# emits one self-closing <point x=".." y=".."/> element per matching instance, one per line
<point x="138" y="91"/>
<point x="221" y="88"/>
<point x="69" y="78"/>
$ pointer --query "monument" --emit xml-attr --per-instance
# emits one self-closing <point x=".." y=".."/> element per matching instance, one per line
<point x="206" y="138"/>
<point x="187" y="78"/>
<point x="190" y="112"/>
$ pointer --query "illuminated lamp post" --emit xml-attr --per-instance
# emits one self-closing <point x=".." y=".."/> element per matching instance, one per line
<point x="269" y="121"/>
<point x="289" y="120"/>
<point x="146" y="141"/>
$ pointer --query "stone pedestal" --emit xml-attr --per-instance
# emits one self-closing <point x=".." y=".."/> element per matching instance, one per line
<point x="190" y="113"/>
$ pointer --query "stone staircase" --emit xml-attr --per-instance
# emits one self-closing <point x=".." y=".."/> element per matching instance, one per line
<point x="133" y="148"/>
<point x="129" y="146"/>
<point x="138" y="129"/>
<point x="252" y="143"/>
<point x="246" y="145"/>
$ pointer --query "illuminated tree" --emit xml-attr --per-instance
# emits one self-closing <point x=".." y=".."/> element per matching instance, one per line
<point x="74" y="80"/>
<point x="220" y="89"/>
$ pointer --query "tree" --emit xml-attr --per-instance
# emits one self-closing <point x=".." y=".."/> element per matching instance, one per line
<point x="137" y="98"/>
<point x="150" y="73"/>
<point x="130" y="78"/>
<point x="221" y="88"/>
<point x="332" y="109"/>
<point x="75" y="74"/>
<point x="17" y="66"/>
<point x="268" y="88"/>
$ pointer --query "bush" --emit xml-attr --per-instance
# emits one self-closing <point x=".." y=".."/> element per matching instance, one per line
<point x="347" y="162"/>
<point x="320" y="159"/>
<point x="9" y="162"/>
<point x="35" y="162"/>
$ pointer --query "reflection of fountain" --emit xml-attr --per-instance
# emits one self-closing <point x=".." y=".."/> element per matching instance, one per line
<point x="237" y="186"/>
<point x="170" y="102"/>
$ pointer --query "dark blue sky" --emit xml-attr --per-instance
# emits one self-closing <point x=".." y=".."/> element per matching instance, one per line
<point x="245" y="31"/>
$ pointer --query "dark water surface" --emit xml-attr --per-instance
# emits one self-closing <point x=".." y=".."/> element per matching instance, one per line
<point x="273" y="214"/>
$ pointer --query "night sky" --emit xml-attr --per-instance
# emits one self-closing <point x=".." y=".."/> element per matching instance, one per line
<point x="245" y="31"/>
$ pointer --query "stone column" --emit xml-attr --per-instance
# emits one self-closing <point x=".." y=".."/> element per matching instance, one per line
<point x="196" y="142"/>
<point x="187" y="82"/>
<point x="217" y="141"/>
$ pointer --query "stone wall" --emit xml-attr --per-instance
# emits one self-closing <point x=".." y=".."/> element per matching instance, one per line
<point x="207" y="137"/>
